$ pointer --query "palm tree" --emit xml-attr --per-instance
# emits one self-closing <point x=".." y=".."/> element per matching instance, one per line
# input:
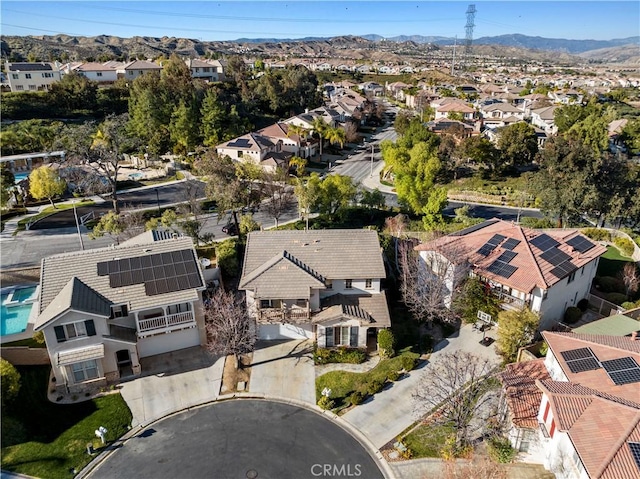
<point x="320" y="127"/>
<point x="336" y="135"/>
<point x="299" y="131"/>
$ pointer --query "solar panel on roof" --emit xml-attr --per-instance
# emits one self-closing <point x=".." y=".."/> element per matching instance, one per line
<point x="543" y="242"/>
<point x="634" y="447"/>
<point x="574" y="354"/>
<point x="150" y="288"/>
<point x="581" y="365"/>
<point x="145" y="261"/>
<point x="136" y="263"/>
<point x="103" y="268"/>
<point x="496" y="239"/>
<point x="627" y="376"/>
<point x="580" y="244"/>
<point x="115" y="280"/>
<point x="471" y="229"/>
<point x="563" y="269"/>
<point x="554" y="256"/>
<point x="126" y="278"/>
<point x="507" y="256"/>
<point x="619" y="364"/>
<point x="486" y="249"/>
<point x="194" y="280"/>
<point x="511" y="243"/>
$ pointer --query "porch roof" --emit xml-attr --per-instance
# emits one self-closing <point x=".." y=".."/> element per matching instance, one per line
<point x="83" y="354"/>
<point x="370" y="310"/>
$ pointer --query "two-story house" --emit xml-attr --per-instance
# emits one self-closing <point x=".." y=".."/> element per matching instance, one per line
<point x="257" y="149"/>
<point x="545" y="271"/>
<point x="96" y="72"/>
<point x="31" y="76"/>
<point x="209" y="70"/>
<point x="322" y="285"/>
<point x="136" y="68"/>
<point x="501" y="114"/>
<point x="300" y="145"/>
<point x="577" y="411"/>
<point x="103" y="310"/>
<point x="544" y="118"/>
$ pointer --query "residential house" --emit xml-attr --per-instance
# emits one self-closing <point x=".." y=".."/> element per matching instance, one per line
<point x="103" y="310"/>
<point x="31" y="76"/>
<point x="545" y="271"/>
<point x="301" y="145"/>
<point x="136" y="68"/>
<point x="444" y="106"/>
<point x="588" y="406"/>
<point x="445" y="125"/>
<point x="256" y="149"/>
<point x="569" y="97"/>
<point x="544" y="118"/>
<point x="501" y="114"/>
<point x="322" y="285"/>
<point x="97" y="72"/>
<point x="208" y="70"/>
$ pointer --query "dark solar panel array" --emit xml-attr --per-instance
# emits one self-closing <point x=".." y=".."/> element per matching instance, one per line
<point x="473" y="228"/>
<point x="634" y="447"/>
<point x="486" y="249"/>
<point x="496" y="239"/>
<point x="500" y="268"/>
<point x="161" y="273"/>
<point x="240" y="143"/>
<point x="580" y="244"/>
<point x="622" y="370"/>
<point x="511" y="243"/>
<point x="544" y="242"/>
<point x="563" y="269"/>
<point x="580" y="360"/>
<point x="507" y="256"/>
<point x="555" y="257"/>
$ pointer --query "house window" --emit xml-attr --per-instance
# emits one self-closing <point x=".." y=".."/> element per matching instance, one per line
<point x="348" y="284"/>
<point x="239" y="154"/>
<point x="19" y="87"/>
<point x="130" y="73"/>
<point x="78" y="329"/>
<point x="269" y="303"/>
<point x="302" y="303"/>
<point x="329" y="284"/>
<point x="27" y="76"/>
<point x="119" y="311"/>
<point x="178" y="308"/>
<point x="368" y="283"/>
<point x="572" y="276"/>
<point x="206" y="69"/>
<point x="32" y="87"/>
<point x="84" y="371"/>
<point x="14" y="76"/>
<point x="341" y="336"/>
<point x="98" y="74"/>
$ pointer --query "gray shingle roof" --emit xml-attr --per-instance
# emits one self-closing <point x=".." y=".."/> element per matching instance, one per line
<point x="333" y="254"/>
<point x="58" y="270"/>
<point x="369" y="309"/>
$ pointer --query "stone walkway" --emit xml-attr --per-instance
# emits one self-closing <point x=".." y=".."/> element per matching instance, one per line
<point x="368" y="365"/>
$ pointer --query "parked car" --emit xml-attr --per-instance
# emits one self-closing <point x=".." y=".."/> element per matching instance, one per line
<point x="230" y="229"/>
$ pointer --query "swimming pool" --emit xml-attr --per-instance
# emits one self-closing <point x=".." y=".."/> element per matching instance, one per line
<point x="18" y="177"/>
<point x="15" y="308"/>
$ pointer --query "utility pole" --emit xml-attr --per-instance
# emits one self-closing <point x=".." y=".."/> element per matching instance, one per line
<point x="453" y="62"/>
<point x="372" y="149"/>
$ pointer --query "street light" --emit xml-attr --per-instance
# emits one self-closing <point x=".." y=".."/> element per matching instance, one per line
<point x="371" y="173"/>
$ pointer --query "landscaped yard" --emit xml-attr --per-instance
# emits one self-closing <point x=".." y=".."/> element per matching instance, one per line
<point x="427" y="440"/>
<point x="48" y="440"/>
<point x="612" y="262"/>
<point x="342" y="383"/>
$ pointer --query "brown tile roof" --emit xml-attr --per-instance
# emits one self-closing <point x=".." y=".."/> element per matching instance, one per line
<point x="532" y="271"/>
<point x="522" y="395"/>
<point x="93" y="67"/>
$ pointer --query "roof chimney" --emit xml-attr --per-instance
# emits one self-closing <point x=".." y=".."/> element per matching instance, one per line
<point x="634" y="335"/>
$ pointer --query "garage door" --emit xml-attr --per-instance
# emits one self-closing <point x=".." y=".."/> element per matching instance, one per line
<point x="165" y="343"/>
<point x="284" y="331"/>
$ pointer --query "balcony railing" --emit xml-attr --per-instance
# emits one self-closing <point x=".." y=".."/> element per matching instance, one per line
<point x="282" y="314"/>
<point x="166" y="323"/>
<point x="509" y="301"/>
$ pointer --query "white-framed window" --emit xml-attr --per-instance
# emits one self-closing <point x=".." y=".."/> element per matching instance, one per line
<point x="27" y="76"/>
<point x="329" y="284"/>
<point x="98" y="74"/>
<point x="14" y="76"/>
<point x="19" y="87"/>
<point x="74" y="330"/>
<point x="178" y="308"/>
<point x="341" y="336"/>
<point x="368" y="283"/>
<point x="32" y="87"/>
<point x="348" y="284"/>
<point x="84" y="371"/>
<point x="270" y="303"/>
<point x="239" y="154"/>
<point x="119" y="311"/>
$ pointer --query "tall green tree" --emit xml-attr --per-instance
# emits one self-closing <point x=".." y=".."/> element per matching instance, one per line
<point x="518" y="144"/>
<point x="336" y="192"/>
<point x="183" y="127"/>
<point x="515" y="330"/>
<point x="73" y="92"/>
<point x="6" y="183"/>
<point x="473" y="297"/>
<point x="44" y="182"/>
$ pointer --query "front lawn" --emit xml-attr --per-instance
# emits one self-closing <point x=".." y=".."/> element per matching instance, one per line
<point x="343" y="383"/>
<point x="47" y="440"/>
<point x="612" y="262"/>
<point x="427" y="440"/>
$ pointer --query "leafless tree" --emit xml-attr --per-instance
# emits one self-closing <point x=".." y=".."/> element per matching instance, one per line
<point x="455" y="386"/>
<point x="630" y="278"/>
<point x="230" y="329"/>
<point x="351" y="131"/>
<point x="279" y="195"/>
<point x="427" y="287"/>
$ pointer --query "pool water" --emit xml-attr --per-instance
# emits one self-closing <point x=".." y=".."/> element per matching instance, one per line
<point x="15" y="316"/>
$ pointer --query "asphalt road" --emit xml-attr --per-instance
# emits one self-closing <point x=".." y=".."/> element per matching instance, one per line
<point x="241" y="439"/>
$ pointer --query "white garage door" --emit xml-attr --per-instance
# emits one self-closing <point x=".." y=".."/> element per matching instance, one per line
<point x="165" y="343"/>
<point x="284" y="331"/>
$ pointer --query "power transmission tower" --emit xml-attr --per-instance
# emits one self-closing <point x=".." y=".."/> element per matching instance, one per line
<point x="471" y="15"/>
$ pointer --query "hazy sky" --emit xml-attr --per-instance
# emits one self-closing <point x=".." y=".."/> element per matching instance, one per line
<point x="219" y="20"/>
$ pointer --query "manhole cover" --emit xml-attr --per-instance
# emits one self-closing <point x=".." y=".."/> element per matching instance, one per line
<point x="252" y="474"/>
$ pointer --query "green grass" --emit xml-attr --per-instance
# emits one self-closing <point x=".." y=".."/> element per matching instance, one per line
<point x="343" y="383"/>
<point x="612" y="262"/>
<point x="427" y="440"/>
<point x="47" y="440"/>
<point x="22" y="224"/>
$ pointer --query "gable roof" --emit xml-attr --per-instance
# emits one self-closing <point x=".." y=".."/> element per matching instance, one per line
<point x="532" y="270"/>
<point x="331" y="254"/>
<point x="249" y="142"/>
<point x="614" y="325"/>
<point x="93" y="67"/>
<point x="30" y="67"/>
<point x="58" y="270"/>
<point x="369" y="309"/>
<point x="522" y="395"/>
<point x="142" y="65"/>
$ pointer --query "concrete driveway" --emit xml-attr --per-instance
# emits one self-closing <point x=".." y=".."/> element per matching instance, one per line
<point x="171" y="382"/>
<point x="284" y="369"/>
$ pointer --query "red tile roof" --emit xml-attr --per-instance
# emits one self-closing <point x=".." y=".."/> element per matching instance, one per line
<point x="522" y="395"/>
<point x="532" y="271"/>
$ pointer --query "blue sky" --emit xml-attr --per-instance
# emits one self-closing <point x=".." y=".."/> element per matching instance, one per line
<point x="219" y="20"/>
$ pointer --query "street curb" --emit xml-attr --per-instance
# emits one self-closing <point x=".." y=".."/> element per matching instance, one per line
<point x="375" y="454"/>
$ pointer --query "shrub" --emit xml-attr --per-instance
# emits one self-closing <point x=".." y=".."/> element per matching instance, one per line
<point x="500" y="450"/>
<point x="597" y="234"/>
<point x="583" y="304"/>
<point x="544" y="349"/>
<point x="572" y="315"/>
<point x="386" y="342"/>
<point x="408" y="363"/>
<point x="227" y="257"/>
<point x="374" y="387"/>
<point x="326" y="403"/>
<point x="356" y="398"/>
<point x="340" y="355"/>
<point x="10" y="382"/>
<point x="617" y="298"/>
<point x="406" y="454"/>
<point x="426" y="344"/>
<point x="39" y="337"/>
<point x="321" y="355"/>
<point x="609" y="284"/>
<point x="393" y="376"/>
<point x="625" y="245"/>
<point x="627" y="305"/>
